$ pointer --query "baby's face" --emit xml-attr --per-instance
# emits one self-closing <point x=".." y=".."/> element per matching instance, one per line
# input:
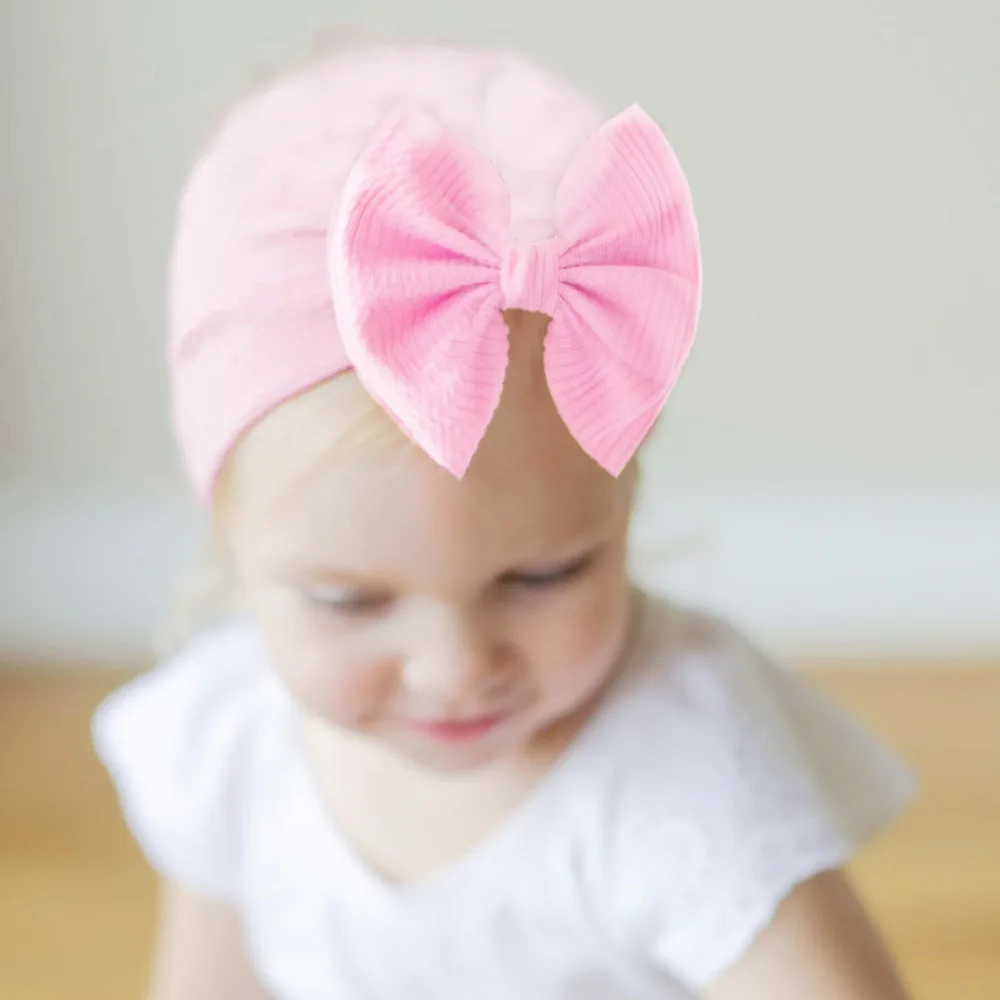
<point x="454" y="620"/>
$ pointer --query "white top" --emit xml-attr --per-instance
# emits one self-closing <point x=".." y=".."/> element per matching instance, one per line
<point x="706" y="786"/>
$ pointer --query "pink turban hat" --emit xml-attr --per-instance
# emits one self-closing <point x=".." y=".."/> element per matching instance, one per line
<point x="253" y="321"/>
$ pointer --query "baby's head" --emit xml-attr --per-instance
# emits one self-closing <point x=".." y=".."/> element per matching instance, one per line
<point x="455" y="618"/>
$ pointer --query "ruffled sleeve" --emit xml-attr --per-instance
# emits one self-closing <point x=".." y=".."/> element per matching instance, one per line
<point x="178" y="743"/>
<point x="741" y="782"/>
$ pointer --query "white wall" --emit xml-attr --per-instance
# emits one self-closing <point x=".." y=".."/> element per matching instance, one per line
<point x="835" y="433"/>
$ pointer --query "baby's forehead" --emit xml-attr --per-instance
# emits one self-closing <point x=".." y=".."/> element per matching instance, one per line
<point x="541" y="486"/>
<point x="393" y="514"/>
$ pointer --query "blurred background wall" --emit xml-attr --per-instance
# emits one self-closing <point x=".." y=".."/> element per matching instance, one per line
<point x="829" y="463"/>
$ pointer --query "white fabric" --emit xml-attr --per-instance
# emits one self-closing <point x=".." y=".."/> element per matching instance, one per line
<point x="707" y="785"/>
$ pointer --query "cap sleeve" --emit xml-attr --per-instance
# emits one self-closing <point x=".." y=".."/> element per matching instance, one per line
<point x="743" y="782"/>
<point x="178" y="743"/>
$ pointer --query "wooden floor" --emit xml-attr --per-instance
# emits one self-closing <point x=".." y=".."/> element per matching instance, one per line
<point x="76" y="899"/>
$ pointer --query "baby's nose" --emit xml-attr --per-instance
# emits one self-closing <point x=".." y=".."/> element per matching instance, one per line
<point x="454" y="662"/>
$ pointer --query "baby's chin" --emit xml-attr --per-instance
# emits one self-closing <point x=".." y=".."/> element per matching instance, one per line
<point x="446" y="760"/>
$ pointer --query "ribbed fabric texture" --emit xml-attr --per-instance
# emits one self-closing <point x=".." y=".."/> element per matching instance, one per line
<point x="421" y="268"/>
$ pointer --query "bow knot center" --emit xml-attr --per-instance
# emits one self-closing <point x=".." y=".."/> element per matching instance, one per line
<point x="529" y="276"/>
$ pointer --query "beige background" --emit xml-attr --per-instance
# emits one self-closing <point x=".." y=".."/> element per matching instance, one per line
<point x="834" y="440"/>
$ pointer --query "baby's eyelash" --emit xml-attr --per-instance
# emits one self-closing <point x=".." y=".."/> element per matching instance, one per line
<point x="561" y="574"/>
<point x="347" y="601"/>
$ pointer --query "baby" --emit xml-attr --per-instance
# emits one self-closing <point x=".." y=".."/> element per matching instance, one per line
<point x="426" y="305"/>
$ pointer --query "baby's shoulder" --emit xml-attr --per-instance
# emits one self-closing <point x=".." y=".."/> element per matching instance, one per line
<point x="703" y="720"/>
<point x="690" y="676"/>
<point x="181" y="743"/>
<point x="719" y="780"/>
<point x="192" y="706"/>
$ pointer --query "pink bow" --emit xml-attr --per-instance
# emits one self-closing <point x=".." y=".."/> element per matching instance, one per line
<point x="421" y="270"/>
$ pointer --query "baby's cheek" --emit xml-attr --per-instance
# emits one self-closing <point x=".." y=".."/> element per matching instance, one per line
<point x="585" y="644"/>
<point x="343" y="690"/>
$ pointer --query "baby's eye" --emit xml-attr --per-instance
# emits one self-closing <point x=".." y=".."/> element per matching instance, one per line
<point x="347" y="601"/>
<point x="554" y="577"/>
